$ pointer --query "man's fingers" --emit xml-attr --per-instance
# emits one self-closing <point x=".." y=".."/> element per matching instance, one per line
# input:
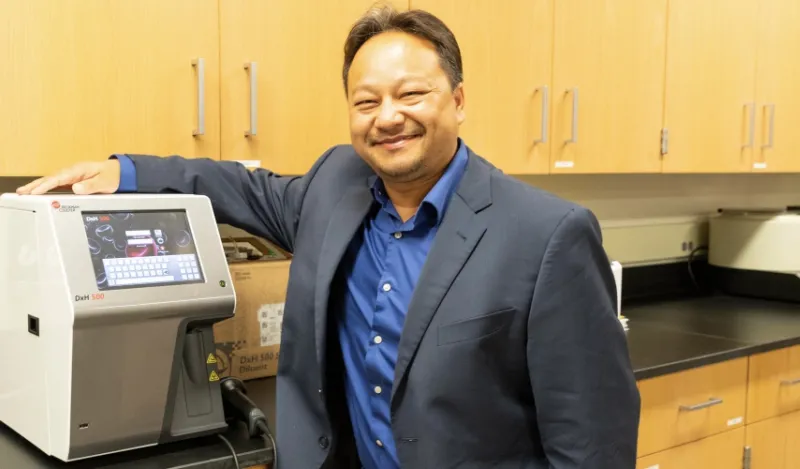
<point x="50" y="183"/>
<point x="45" y="184"/>
<point x="26" y="189"/>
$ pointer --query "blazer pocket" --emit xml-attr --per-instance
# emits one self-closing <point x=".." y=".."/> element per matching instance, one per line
<point x="474" y="328"/>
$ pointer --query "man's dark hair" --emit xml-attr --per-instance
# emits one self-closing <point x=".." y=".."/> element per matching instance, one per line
<point x="384" y="18"/>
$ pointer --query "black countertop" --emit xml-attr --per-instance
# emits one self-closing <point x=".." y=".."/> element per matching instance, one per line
<point x="669" y="336"/>
<point x="199" y="453"/>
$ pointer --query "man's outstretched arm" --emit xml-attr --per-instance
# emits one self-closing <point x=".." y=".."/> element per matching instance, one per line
<point x="260" y="202"/>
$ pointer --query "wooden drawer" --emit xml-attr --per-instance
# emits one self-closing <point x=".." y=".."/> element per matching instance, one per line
<point x="774" y="384"/>
<point x="690" y="405"/>
<point x="721" y="451"/>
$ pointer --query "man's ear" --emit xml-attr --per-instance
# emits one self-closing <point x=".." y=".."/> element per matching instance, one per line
<point x="458" y="96"/>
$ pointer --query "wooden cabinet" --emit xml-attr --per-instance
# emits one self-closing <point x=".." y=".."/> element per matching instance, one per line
<point x="506" y="49"/>
<point x="721" y="451"/>
<point x="608" y="81"/>
<point x="778" y="87"/>
<point x="81" y="80"/>
<point x="283" y="100"/>
<point x="691" y="405"/>
<point x="774" y="443"/>
<point x="773" y="384"/>
<point x="716" y="415"/>
<point x="563" y="86"/>
<point x="709" y="101"/>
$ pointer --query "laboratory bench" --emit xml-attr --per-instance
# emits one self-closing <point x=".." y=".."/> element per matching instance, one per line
<point x="714" y="373"/>
<point x="719" y="380"/>
<point x="680" y="334"/>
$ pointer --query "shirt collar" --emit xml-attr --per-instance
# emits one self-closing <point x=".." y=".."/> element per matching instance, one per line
<point x="438" y="197"/>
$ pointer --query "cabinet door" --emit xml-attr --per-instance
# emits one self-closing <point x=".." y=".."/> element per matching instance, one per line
<point x="506" y="49"/>
<point x="778" y="87"/>
<point x="721" y="451"/>
<point x="81" y="80"/>
<point x="608" y="86"/>
<point x="283" y="100"/>
<point x="773" y="383"/>
<point x="774" y="442"/>
<point x="710" y="86"/>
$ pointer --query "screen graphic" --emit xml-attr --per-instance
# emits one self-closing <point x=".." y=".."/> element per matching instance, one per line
<point x="140" y="249"/>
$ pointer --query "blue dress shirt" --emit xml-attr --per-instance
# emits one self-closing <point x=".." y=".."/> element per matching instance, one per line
<point x="127" y="174"/>
<point x="387" y="258"/>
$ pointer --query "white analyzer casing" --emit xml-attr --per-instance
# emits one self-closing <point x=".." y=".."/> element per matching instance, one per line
<point x="91" y="368"/>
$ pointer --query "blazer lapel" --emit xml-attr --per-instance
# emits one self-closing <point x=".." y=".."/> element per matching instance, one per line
<point x="459" y="233"/>
<point x="342" y="226"/>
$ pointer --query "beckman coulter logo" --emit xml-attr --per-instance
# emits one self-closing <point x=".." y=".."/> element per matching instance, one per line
<point x="63" y="208"/>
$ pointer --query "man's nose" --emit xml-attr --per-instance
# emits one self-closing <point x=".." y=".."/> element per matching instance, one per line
<point x="389" y="115"/>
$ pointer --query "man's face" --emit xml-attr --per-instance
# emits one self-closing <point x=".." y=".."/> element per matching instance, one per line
<point x="404" y="117"/>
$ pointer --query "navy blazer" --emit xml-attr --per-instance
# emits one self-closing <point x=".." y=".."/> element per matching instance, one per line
<point x="511" y="355"/>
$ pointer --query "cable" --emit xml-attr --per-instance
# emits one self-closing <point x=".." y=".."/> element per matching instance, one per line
<point x="230" y="447"/>
<point x="689" y="264"/>
<point x="265" y="433"/>
<point x="238" y="406"/>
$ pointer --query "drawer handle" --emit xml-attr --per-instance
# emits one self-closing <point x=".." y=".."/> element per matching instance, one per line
<point x="703" y="405"/>
<point x="790" y="382"/>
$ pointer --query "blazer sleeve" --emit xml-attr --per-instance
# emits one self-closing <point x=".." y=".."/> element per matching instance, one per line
<point x="586" y="398"/>
<point x="260" y="202"/>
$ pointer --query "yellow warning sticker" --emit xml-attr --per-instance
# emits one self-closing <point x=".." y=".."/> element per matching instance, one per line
<point x="213" y="376"/>
<point x="211" y="359"/>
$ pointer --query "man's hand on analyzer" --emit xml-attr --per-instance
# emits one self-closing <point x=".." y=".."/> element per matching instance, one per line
<point x="84" y="178"/>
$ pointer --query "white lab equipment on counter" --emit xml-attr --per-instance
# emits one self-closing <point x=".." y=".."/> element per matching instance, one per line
<point x="106" y="311"/>
<point x="756" y="252"/>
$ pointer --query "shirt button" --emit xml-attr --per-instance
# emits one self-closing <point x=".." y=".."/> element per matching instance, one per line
<point x="378" y="339"/>
<point x="323" y="442"/>
<point x="379" y="443"/>
<point x="377" y="389"/>
<point x="386" y="287"/>
<point x="398" y="235"/>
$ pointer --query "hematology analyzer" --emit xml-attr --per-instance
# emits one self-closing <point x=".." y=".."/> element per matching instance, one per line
<point x="107" y="304"/>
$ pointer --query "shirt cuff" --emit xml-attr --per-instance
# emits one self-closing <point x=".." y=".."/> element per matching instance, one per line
<point x="127" y="174"/>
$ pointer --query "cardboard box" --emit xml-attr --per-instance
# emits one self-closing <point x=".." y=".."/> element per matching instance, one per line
<point x="248" y="345"/>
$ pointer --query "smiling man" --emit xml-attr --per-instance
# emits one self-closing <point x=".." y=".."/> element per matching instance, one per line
<point x="439" y="313"/>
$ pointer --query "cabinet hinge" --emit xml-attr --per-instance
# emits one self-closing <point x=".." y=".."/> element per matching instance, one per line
<point x="664" y="141"/>
<point x="746" y="458"/>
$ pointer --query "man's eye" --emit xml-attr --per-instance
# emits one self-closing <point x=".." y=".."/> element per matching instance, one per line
<point x="413" y="93"/>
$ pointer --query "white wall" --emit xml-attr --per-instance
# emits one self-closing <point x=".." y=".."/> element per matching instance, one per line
<point x="647" y="218"/>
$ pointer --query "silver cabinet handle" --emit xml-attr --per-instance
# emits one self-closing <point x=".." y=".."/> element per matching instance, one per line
<point x="771" y="140"/>
<point x="545" y="105"/>
<point x="752" y="132"/>
<point x="574" y="132"/>
<point x="711" y="402"/>
<point x="200" y="64"/>
<point x="252" y="66"/>
<point x="790" y="382"/>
